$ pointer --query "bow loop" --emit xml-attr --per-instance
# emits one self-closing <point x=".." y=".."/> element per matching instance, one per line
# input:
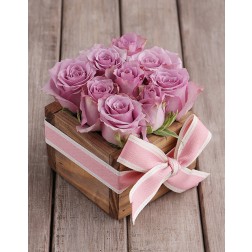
<point x="193" y="138"/>
<point x="171" y="169"/>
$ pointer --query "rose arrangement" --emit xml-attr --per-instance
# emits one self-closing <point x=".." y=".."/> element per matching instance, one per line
<point x="124" y="89"/>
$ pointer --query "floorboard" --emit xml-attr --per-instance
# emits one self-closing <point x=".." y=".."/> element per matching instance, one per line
<point x="44" y="40"/>
<point x="202" y="29"/>
<point x="172" y="223"/>
<point x="79" y="225"/>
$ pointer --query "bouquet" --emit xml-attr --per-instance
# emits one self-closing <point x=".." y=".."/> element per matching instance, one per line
<point x="124" y="89"/>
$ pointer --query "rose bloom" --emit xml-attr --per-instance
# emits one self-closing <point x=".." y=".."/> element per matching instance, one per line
<point x="104" y="58"/>
<point x="120" y="117"/>
<point x="155" y="57"/>
<point x="131" y="42"/>
<point x="180" y="93"/>
<point x="95" y="89"/>
<point x="67" y="79"/>
<point x="129" y="77"/>
<point x="153" y="106"/>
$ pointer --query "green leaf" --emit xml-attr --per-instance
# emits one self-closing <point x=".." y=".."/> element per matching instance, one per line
<point x="165" y="132"/>
<point x="171" y="117"/>
<point x="149" y="130"/>
<point x="119" y="140"/>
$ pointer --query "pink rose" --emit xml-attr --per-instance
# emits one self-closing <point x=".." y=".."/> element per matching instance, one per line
<point x="180" y="93"/>
<point x="105" y="58"/>
<point x="132" y="42"/>
<point x="129" y="77"/>
<point x="120" y="117"/>
<point x="66" y="80"/>
<point x="153" y="106"/>
<point x="95" y="89"/>
<point x="151" y="59"/>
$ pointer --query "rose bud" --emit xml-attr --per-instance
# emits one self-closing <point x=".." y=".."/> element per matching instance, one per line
<point x="153" y="106"/>
<point x="95" y="89"/>
<point x="120" y="117"/>
<point x="131" y="42"/>
<point x="129" y="77"/>
<point x="180" y="94"/>
<point x="67" y="79"/>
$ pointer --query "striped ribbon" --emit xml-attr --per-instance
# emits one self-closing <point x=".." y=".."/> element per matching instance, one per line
<point x="168" y="169"/>
<point x="150" y="166"/>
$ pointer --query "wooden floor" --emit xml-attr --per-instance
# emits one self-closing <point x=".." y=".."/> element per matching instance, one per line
<point x="60" y="217"/>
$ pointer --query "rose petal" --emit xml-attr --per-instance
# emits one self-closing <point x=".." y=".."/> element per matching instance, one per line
<point x="192" y="94"/>
<point x="95" y="127"/>
<point x="50" y="89"/>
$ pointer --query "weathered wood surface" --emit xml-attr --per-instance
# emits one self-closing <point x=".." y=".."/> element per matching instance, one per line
<point x="172" y="223"/>
<point x="202" y="29"/>
<point x="44" y="42"/>
<point x="79" y="225"/>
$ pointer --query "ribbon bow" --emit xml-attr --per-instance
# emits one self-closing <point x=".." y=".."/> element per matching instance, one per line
<point x="168" y="169"/>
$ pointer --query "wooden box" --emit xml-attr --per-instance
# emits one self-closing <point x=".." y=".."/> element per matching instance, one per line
<point x="116" y="205"/>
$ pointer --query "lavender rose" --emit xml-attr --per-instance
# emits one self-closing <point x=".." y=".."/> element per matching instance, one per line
<point x="131" y="42"/>
<point x="180" y="93"/>
<point x="120" y="117"/>
<point x="95" y="89"/>
<point x="105" y="58"/>
<point x="151" y="59"/>
<point x="153" y="106"/>
<point x="129" y="77"/>
<point x="66" y="80"/>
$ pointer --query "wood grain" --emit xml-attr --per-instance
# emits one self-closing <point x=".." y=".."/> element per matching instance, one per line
<point x="202" y="29"/>
<point x="79" y="225"/>
<point x="44" y="41"/>
<point x="172" y="223"/>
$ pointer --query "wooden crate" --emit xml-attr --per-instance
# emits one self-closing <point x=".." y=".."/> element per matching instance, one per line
<point x="116" y="205"/>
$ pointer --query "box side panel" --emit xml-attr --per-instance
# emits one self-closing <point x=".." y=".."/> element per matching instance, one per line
<point x="92" y="188"/>
<point x="86" y="183"/>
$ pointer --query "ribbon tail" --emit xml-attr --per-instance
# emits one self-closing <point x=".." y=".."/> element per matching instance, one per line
<point x="185" y="179"/>
<point x="146" y="188"/>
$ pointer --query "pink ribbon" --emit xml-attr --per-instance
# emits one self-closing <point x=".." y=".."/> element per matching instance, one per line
<point x="159" y="168"/>
<point x="150" y="166"/>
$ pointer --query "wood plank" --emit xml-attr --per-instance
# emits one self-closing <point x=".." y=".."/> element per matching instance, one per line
<point x="202" y="28"/>
<point x="44" y="38"/>
<point x="172" y="223"/>
<point x="79" y="225"/>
